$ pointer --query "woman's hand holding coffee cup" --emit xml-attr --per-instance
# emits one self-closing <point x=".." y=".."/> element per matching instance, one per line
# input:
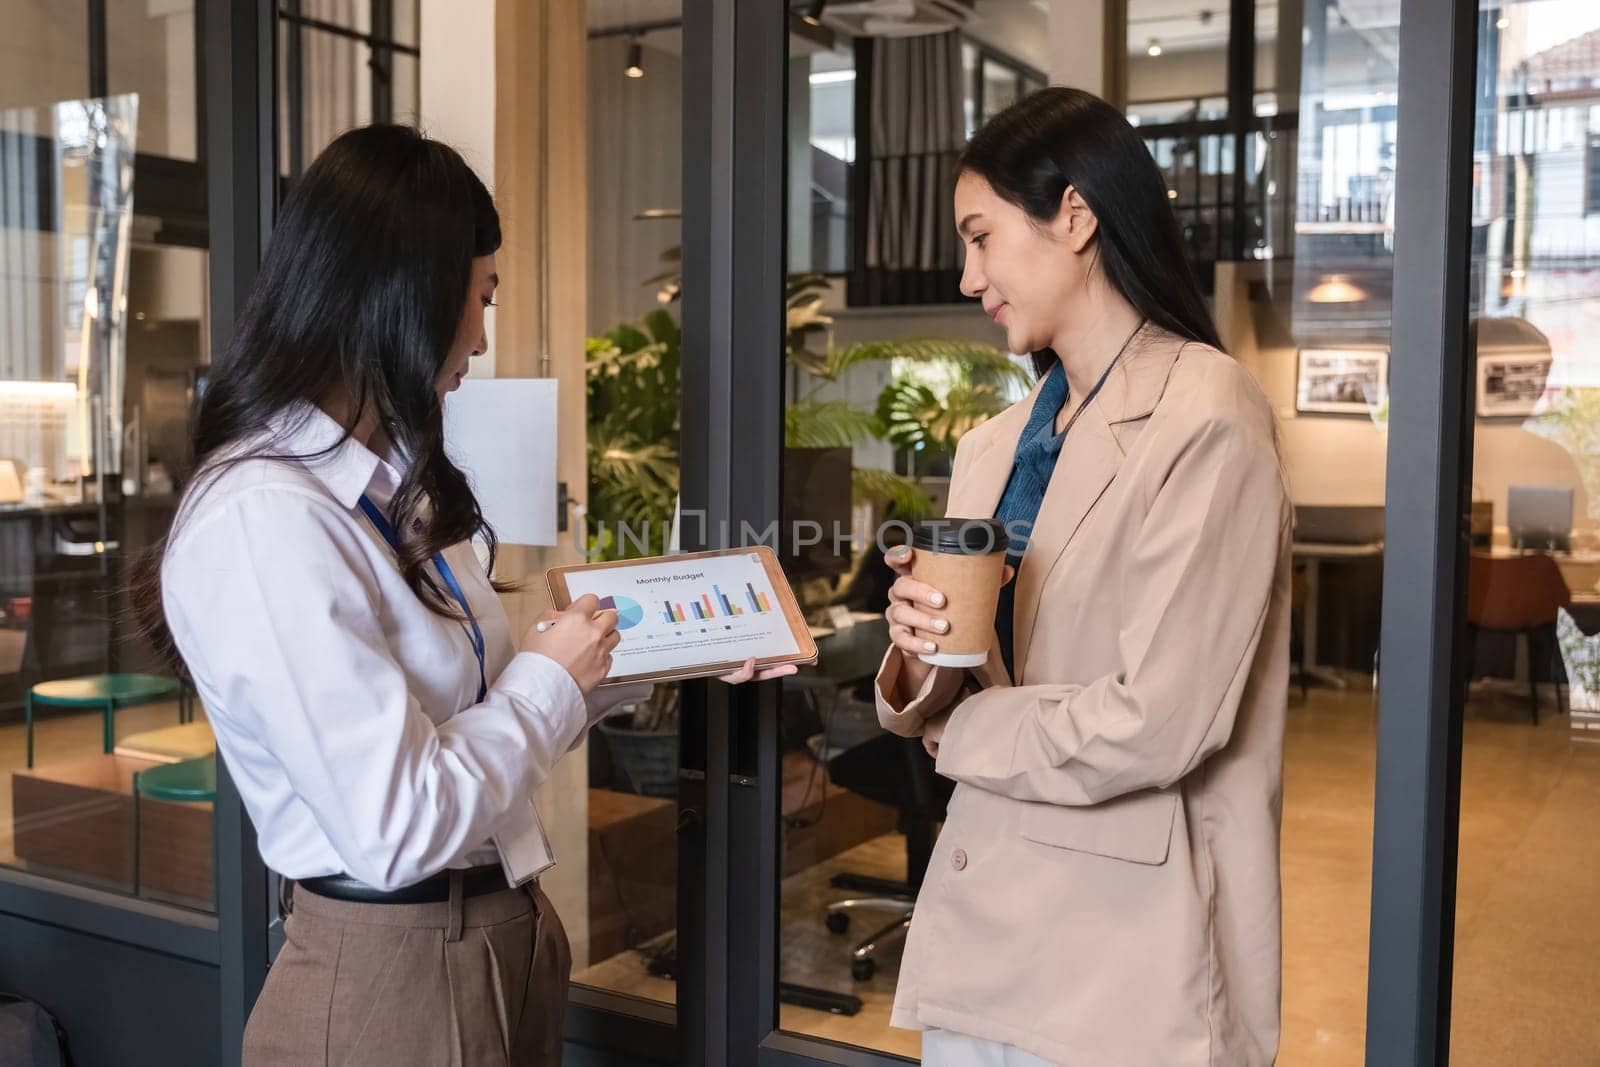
<point x="917" y="613"/>
<point x="913" y="614"/>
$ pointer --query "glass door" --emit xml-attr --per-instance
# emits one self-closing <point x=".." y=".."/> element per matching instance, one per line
<point x="884" y="365"/>
<point x="1530" y="765"/>
<point x="633" y="126"/>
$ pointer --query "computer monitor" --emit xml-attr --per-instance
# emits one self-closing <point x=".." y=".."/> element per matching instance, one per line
<point x="816" y="489"/>
<point x="1539" y="516"/>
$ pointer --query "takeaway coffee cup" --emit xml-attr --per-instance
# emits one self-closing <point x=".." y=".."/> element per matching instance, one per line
<point x="965" y="560"/>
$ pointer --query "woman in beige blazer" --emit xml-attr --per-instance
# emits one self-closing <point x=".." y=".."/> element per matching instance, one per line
<point x="1105" y="889"/>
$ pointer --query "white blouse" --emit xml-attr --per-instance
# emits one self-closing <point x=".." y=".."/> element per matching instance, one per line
<point x="345" y="709"/>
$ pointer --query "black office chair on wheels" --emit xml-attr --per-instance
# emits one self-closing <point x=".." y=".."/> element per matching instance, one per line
<point x="899" y="772"/>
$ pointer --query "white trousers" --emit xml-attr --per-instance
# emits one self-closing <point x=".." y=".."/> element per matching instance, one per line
<point x="945" y="1048"/>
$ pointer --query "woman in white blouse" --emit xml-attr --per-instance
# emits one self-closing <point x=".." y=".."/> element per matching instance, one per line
<point x="385" y="734"/>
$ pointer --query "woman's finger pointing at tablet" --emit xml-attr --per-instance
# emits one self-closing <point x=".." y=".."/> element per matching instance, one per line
<point x="586" y="605"/>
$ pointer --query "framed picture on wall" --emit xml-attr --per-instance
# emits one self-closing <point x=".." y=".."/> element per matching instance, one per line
<point x="1342" y="381"/>
<point x="1511" y="383"/>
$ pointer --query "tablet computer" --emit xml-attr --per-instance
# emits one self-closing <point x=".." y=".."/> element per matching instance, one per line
<point x="693" y="615"/>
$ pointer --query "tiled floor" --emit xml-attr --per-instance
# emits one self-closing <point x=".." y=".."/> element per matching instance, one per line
<point x="1528" y="938"/>
<point x="1528" y="934"/>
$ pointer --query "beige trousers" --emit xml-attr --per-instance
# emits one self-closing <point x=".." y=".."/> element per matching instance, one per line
<point x="470" y="983"/>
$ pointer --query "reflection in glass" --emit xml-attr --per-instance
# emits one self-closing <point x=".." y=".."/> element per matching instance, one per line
<point x="1335" y="227"/>
<point x="1530" y="790"/>
<point x="65" y="265"/>
<point x="1177" y="54"/>
<point x="330" y="81"/>
<point x="820" y="165"/>
<point x="875" y="402"/>
<point x="44" y="52"/>
<point x="108" y="773"/>
<point x="151" y="52"/>
<point x="629" y="815"/>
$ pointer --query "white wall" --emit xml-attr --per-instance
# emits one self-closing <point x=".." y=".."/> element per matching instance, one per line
<point x="457" y="95"/>
<point x="457" y="78"/>
<point x="1077" y="45"/>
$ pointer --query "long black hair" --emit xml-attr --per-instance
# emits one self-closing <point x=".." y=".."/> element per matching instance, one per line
<point x="1056" y="137"/>
<point x="360" y="294"/>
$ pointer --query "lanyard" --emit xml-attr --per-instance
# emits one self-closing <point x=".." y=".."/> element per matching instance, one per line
<point x="474" y="635"/>
<point x="1097" y="385"/>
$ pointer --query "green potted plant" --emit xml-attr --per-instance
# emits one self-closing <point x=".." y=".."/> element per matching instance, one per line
<point x="940" y="389"/>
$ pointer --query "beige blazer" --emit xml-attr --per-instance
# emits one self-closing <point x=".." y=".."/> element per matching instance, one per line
<point x="1105" y="889"/>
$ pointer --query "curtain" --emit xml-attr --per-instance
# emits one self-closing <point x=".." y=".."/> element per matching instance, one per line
<point x="635" y="165"/>
<point x="336" y="80"/>
<point x="906" y="245"/>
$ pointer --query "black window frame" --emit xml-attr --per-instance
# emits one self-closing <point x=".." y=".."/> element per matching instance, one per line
<point x="383" y="46"/>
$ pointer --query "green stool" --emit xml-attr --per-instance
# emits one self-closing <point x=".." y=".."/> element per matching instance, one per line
<point x="108" y="692"/>
<point x="193" y="779"/>
<point x="186" y="782"/>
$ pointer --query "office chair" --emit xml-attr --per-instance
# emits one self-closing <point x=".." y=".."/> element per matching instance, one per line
<point x="1519" y="595"/>
<point x="899" y="772"/>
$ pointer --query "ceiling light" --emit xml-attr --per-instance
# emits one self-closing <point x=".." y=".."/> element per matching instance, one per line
<point x="1155" y="48"/>
<point x="810" y="11"/>
<point x="1502" y="22"/>
<point x="1172" y="194"/>
<point x="635" y="68"/>
<point x="1336" y="289"/>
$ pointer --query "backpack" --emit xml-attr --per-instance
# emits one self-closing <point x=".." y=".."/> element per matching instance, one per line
<point x="30" y="1036"/>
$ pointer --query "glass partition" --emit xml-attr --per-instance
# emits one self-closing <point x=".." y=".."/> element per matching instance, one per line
<point x="883" y="377"/>
<point x="622" y="911"/>
<point x="107" y="765"/>
<point x="1525" y="940"/>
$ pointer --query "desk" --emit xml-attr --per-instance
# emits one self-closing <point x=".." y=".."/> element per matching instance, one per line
<point x="1580" y="569"/>
<point x="853" y="653"/>
<point x="1312" y="553"/>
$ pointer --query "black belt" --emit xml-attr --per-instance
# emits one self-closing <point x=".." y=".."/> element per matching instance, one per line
<point x="475" y="882"/>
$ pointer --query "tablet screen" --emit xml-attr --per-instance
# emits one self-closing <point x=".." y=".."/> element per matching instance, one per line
<point x="675" y="614"/>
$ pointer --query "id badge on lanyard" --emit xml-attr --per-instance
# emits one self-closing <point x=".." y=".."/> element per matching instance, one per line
<point x="470" y="626"/>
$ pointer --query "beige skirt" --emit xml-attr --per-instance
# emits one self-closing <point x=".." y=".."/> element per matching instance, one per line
<point x="477" y="982"/>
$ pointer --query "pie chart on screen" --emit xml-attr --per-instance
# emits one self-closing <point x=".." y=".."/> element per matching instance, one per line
<point x="629" y="613"/>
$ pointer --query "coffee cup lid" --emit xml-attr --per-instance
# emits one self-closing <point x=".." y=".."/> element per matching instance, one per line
<point x="969" y="537"/>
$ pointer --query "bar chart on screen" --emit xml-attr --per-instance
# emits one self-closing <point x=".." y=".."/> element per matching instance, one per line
<point x="716" y="604"/>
